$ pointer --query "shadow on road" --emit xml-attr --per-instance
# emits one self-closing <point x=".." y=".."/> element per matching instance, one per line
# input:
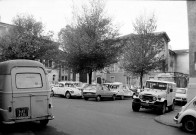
<point x="30" y="128"/>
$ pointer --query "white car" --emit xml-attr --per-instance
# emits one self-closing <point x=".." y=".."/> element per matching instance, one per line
<point x="187" y="116"/>
<point x="121" y="89"/>
<point x="181" y="95"/>
<point x="67" y="88"/>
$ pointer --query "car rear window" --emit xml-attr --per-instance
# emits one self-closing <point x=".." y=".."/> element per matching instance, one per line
<point x="28" y="80"/>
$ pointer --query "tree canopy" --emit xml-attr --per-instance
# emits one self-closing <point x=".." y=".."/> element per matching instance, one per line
<point x="25" y="40"/>
<point x="90" y="43"/>
<point x="144" y="49"/>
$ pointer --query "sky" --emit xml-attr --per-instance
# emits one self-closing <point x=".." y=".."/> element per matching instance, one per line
<point x="56" y="14"/>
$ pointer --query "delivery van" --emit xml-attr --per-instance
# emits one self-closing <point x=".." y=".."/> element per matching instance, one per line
<point x="24" y="92"/>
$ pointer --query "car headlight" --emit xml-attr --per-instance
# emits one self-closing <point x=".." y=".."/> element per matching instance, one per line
<point x="71" y="91"/>
<point x="154" y="98"/>
<point x="140" y="96"/>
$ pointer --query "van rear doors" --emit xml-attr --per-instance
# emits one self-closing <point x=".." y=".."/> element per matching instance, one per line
<point x="29" y="92"/>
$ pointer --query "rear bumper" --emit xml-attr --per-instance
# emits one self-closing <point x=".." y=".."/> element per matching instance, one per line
<point x="13" y="121"/>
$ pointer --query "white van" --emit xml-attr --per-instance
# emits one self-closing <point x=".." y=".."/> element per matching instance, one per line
<point x="24" y="92"/>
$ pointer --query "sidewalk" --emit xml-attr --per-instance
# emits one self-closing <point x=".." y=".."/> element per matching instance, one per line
<point x="167" y="118"/>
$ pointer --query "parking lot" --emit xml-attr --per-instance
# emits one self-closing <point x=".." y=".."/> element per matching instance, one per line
<point x="80" y="117"/>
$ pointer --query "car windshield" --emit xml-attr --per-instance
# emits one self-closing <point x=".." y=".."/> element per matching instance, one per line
<point x="181" y="91"/>
<point x="114" y="86"/>
<point x="156" y="85"/>
<point x="92" y="87"/>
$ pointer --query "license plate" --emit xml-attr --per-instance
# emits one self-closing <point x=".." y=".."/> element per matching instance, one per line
<point x="144" y="104"/>
<point x="22" y="112"/>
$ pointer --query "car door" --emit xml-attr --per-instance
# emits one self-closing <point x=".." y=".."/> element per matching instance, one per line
<point x="107" y="92"/>
<point x="61" y="89"/>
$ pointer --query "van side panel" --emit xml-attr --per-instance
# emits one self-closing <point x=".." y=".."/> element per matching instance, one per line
<point x="5" y="97"/>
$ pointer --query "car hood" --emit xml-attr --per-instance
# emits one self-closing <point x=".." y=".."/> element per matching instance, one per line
<point x="181" y="95"/>
<point x="154" y="92"/>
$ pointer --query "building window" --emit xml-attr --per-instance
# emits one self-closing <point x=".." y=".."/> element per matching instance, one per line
<point x="112" y="79"/>
<point x="63" y="78"/>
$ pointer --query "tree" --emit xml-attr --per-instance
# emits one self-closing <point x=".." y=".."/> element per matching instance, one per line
<point x="143" y="52"/>
<point x="25" y="40"/>
<point x="89" y="43"/>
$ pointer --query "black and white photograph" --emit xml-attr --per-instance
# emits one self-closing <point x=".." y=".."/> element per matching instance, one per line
<point x="97" y="67"/>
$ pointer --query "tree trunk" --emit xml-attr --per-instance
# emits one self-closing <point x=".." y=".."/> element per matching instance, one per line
<point x="141" y="78"/>
<point x="90" y="77"/>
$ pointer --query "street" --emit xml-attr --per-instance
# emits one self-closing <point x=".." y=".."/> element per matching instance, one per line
<point x="80" y="117"/>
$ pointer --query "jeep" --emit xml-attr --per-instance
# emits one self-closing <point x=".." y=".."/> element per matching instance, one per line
<point x="156" y="95"/>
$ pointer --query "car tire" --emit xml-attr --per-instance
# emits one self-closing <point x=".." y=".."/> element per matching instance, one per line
<point x="189" y="124"/>
<point x="85" y="98"/>
<point x="68" y="95"/>
<point x="135" y="107"/>
<point x="43" y="123"/>
<point x="113" y="97"/>
<point x="171" y="107"/>
<point x="98" y="98"/>
<point x="162" y="108"/>
<point x="122" y="97"/>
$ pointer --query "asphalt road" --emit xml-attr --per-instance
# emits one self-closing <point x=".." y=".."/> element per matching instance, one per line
<point x="80" y="117"/>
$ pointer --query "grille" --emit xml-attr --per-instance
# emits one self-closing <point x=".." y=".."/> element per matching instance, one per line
<point x="149" y="98"/>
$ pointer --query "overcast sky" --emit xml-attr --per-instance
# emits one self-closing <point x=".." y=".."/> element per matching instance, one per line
<point x="56" y="14"/>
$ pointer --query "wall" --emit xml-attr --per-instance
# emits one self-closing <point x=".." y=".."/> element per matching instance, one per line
<point x="191" y="6"/>
<point x="182" y="62"/>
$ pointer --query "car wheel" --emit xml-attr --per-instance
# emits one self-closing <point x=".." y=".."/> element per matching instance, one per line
<point x="162" y="108"/>
<point x="171" y="107"/>
<point x="114" y="97"/>
<point x="189" y="124"/>
<point x="122" y="97"/>
<point x="135" y="107"/>
<point x="98" y="98"/>
<point x="85" y="98"/>
<point x="43" y="123"/>
<point x="67" y="95"/>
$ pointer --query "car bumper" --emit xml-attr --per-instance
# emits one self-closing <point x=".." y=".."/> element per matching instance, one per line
<point x="90" y="95"/>
<point x="13" y="121"/>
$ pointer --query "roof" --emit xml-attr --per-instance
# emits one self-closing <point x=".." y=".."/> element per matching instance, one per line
<point x="6" y="24"/>
<point x="6" y="66"/>
<point x="160" y="81"/>
<point x="181" y="51"/>
<point x="164" y="34"/>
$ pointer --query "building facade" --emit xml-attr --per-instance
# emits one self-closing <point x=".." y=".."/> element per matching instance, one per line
<point x="191" y="6"/>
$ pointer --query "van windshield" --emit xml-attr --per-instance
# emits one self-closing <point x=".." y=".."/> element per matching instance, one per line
<point x="28" y="80"/>
<point x="156" y="85"/>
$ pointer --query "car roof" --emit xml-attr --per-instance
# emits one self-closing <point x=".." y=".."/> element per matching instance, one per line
<point x="6" y="66"/>
<point x="69" y="82"/>
<point x="152" y="80"/>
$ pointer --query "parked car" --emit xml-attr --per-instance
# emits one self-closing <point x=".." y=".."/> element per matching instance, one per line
<point x="187" y="116"/>
<point x="181" y="95"/>
<point x="156" y="95"/>
<point x="68" y="89"/>
<point x="121" y="89"/>
<point x="98" y="92"/>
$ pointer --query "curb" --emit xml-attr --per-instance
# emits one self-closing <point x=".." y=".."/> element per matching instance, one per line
<point x="159" y="119"/>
